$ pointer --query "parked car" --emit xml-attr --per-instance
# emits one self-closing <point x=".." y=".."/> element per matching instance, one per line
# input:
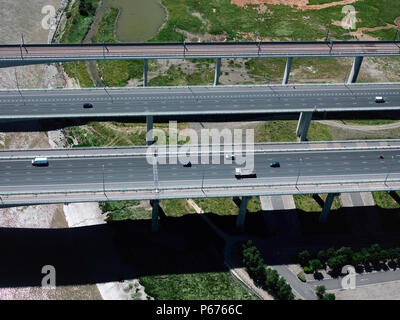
<point x="87" y="106"/>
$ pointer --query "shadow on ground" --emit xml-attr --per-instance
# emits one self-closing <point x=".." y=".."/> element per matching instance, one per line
<point x="127" y="249"/>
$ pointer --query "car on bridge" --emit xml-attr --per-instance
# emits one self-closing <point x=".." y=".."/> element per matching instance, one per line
<point x="244" y="173"/>
<point x="187" y="164"/>
<point x="40" y="162"/>
<point x="379" y="100"/>
<point x="87" y="106"/>
<point x="274" y="164"/>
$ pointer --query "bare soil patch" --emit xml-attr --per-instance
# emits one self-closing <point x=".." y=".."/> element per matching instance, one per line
<point x="300" y="4"/>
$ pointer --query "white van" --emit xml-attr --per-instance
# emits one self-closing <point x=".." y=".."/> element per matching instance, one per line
<point x="40" y="162"/>
<point x="379" y="100"/>
<point x="244" y="173"/>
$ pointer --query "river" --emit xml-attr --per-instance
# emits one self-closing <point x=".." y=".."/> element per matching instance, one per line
<point x="139" y="20"/>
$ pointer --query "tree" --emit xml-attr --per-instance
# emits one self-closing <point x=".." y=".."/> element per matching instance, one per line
<point x="272" y="279"/>
<point x="322" y="256"/>
<point x="303" y="257"/>
<point x="320" y="291"/>
<point x="330" y="253"/>
<point x="284" y="291"/>
<point x="358" y="258"/>
<point x="315" y="264"/>
<point x="347" y="253"/>
<point x="336" y="263"/>
<point x="329" y="296"/>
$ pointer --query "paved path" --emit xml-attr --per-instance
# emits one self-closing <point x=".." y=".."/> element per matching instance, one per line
<point x="369" y="278"/>
<point x="379" y="127"/>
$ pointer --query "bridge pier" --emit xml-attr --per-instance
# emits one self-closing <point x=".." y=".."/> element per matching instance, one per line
<point x="154" y="218"/>
<point x="303" y="125"/>
<point x="217" y="71"/>
<point x="287" y="70"/>
<point x="242" y="213"/>
<point x="323" y="217"/>
<point x="145" y="69"/>
<point x="149" y="131"/>
<point x="355" y="69"/>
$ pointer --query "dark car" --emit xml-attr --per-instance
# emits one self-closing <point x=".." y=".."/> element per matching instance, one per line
<point x="187" y="164"/>
<point x="274" y="164"/>
<point x="88" y="105"/>
<point x="381" y="157"/>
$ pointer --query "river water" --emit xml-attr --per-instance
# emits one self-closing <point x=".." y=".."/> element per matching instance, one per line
<point x="139" y="20"/>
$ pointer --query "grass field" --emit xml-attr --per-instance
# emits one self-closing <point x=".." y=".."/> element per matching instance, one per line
<point x="201" y="286"/>
<point x="385" y="201"/>
<point x="285" y="131"/>
<point x="75" y="31"/>
<point x="307" y="203"/>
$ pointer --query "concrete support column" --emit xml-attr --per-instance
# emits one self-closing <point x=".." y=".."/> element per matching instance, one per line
<point x="303" y="125"/>
<point x="355" y="69"/>
<point x="154" y="219"/>
<point x="145" y="69"/>
<point x="287" y="70"/>
<point x="217" y="71"/>
<point x="327" y="207"/>
<point x="149" y="133"/>
<point x="242" y="213"/>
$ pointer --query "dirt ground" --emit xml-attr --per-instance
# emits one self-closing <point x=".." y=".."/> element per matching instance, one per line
<point x="301" y="4"/>
<point x="25" y="17"/>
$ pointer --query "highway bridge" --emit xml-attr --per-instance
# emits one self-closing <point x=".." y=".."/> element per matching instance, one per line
<point x="306" y="99"/>
<point x="26" y="54"/>
<point x="103" y="175"/>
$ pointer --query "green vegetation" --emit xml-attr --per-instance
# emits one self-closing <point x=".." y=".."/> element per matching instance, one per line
<point x="307" y="203"/>
<point x="302" y="277"/>
<point x="285" y="131"/>
<point x="254" y="205"/>
<point x="199" y="286"/>
<point x="220" y="206"/>
<point x="80" y="18"/>
<point x="385" y="200"/>
<point x="124" y="210"/>
<point x="369" y="122"/>
<point x="175" y="76"/>
<point x="176" y="207"/>
<point x="320" y="291"/>
<point x="337" y="259"/>
<point x="266" y="278"/>
<point x="115" y="73"/>
<point x="266" y="69"/>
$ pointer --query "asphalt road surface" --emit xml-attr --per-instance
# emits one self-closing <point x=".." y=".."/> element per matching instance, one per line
<point x="197" y="50"/>
<point x="107" y="102"/>
<point x="296" y="167"/>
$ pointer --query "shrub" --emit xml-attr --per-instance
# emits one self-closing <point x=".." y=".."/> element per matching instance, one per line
<point x="320" y="291"/>
<point x="308" y="269"/>
<point x="302" y="277"/>
<point x="329" y="296"/>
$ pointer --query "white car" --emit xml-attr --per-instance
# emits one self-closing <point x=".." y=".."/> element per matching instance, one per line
<point x="230" y="157"/>
<point x="379" y="100"/>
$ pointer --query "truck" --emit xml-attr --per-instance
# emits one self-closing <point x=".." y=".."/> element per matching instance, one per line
<point x="244" y="173"/>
